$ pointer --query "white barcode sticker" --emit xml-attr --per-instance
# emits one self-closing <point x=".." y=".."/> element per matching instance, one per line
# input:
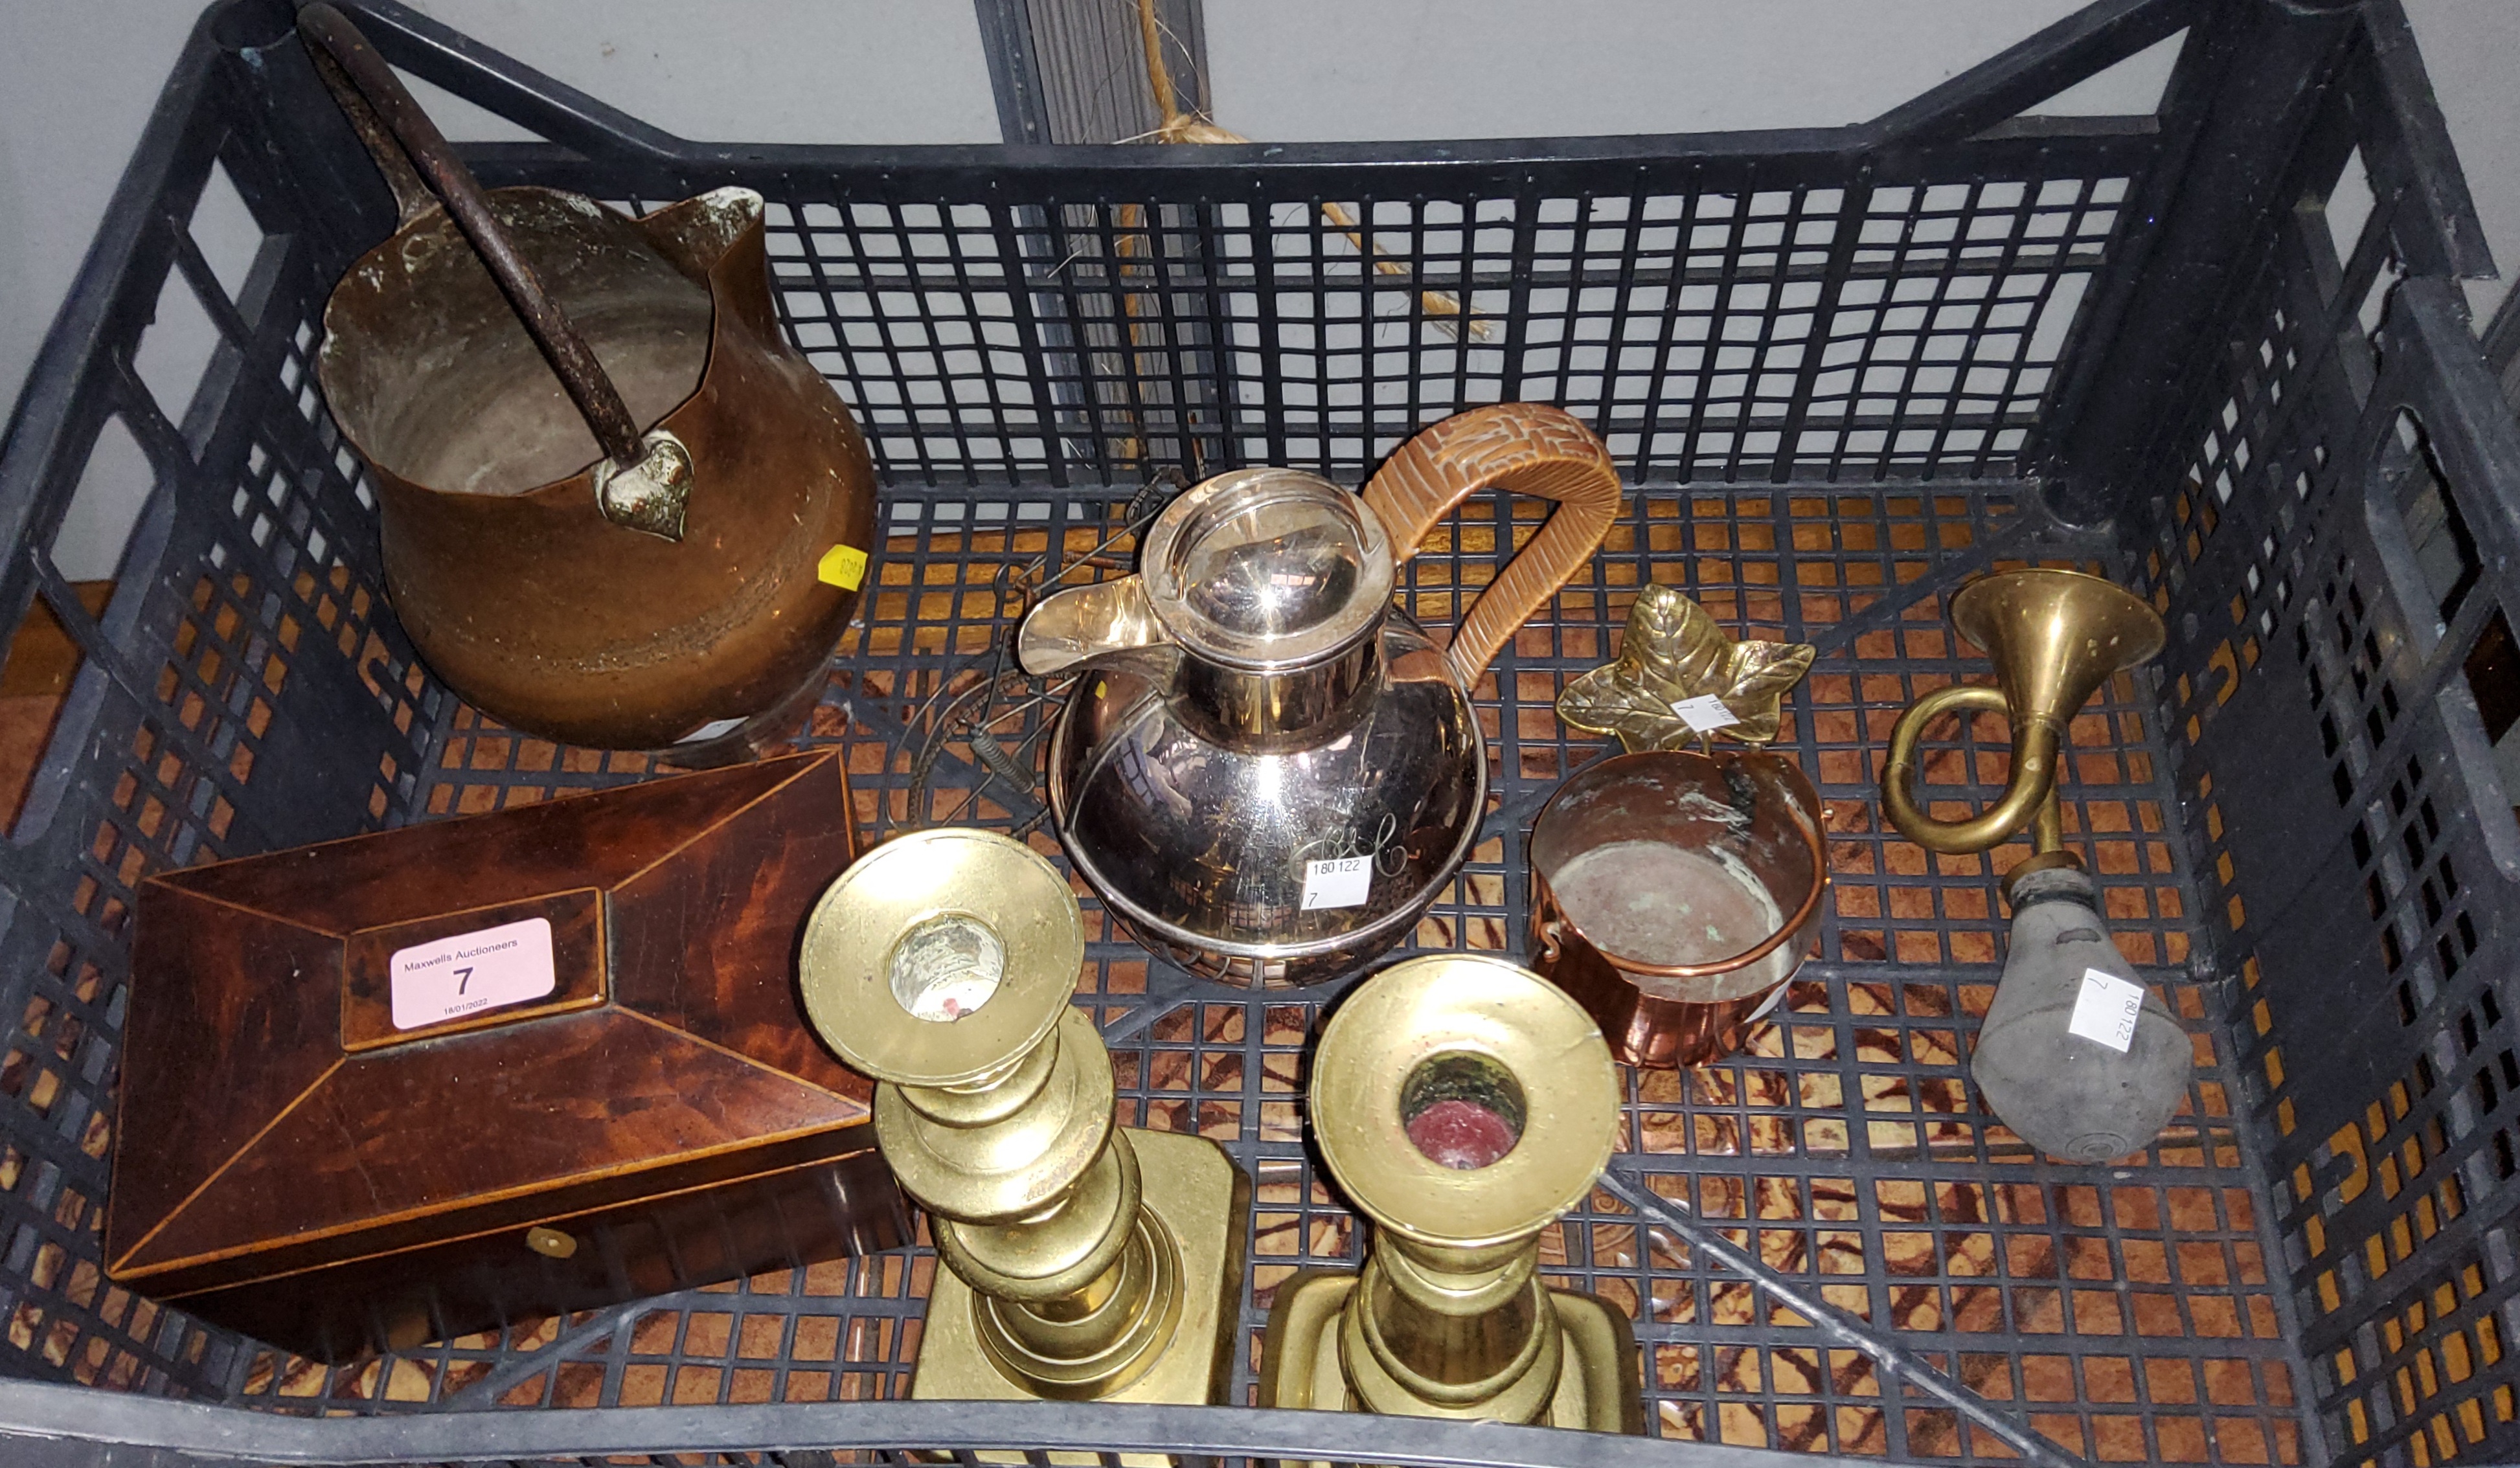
<point x="1342" y="883"/>
<point x="2105" y="1010"/>
<point x="1705" y="713"/>
<point x="486" y="969"/>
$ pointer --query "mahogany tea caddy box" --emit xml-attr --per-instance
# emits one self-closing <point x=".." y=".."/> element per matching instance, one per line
<point x="422" y="1082"/>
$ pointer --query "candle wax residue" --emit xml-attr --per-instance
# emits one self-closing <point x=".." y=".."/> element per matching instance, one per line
<point x="1651" y="901"/>
<point x="1461" y="1134"/>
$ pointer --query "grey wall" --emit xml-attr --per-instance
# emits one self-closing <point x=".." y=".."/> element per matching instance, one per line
<point x="753" y="70"/>
<point x="77" y="78"/>
<point x="76" y="83"/>
<point x="1417" y="68"/>
<point x="2469" y="47"/>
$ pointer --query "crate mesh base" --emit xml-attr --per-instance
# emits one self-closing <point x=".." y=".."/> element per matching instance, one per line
<point x="1825" y="1243"/>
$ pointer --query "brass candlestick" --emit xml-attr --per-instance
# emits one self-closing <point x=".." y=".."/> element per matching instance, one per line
<point x="1083" y="1260"/>
<point x="1461" y="1104"/>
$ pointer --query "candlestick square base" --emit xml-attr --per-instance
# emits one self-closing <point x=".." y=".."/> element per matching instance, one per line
<point x="1196" y="1194"/>
<point x="1598" y="1389"/>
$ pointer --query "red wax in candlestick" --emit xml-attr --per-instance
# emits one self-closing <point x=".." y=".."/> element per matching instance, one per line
<point x="1460" y="1134"/>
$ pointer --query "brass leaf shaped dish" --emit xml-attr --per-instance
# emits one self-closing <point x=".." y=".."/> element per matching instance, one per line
<point x="1675" y="651"/>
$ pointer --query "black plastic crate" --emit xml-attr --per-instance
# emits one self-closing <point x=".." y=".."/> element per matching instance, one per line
<point x="1844" y="370"/>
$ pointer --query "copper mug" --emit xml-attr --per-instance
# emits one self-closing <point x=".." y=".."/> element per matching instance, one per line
<point x="617" y="508"/>
<point x="1675" y="893"/>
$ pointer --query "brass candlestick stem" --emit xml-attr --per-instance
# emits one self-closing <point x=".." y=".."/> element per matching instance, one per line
<point x="1083" y="1260"/>
<point x="1461" y="1104"/>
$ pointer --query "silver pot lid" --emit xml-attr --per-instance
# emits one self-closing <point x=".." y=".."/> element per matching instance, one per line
<point x="1266" y="568"/>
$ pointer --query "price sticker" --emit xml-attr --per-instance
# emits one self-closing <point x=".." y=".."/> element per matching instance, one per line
<point x="709" y="731"/>
<point x="2106" y="1009"/>
<point x="1705" y="713"/>
<point x="487" y="968"/>
<point x="1342" y="883"/>
<point x="843" y="567"/>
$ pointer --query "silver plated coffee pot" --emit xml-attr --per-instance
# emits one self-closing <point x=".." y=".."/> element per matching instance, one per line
<point x="1265" y="768"/>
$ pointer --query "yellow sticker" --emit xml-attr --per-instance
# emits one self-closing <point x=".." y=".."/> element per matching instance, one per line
<point x="843" y="567"/>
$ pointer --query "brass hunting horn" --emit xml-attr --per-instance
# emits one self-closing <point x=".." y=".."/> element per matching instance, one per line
<point x="2055" y="637"/>
<point x="2077" y="1054"/>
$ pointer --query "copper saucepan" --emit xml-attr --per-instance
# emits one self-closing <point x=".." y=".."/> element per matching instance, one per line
<point x="618" y="508"/>
<point x="1674" y="893"/>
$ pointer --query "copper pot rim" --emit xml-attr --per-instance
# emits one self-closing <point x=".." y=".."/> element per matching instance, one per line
<point x="550" y="491"/>
<point x="1817" y="848"/>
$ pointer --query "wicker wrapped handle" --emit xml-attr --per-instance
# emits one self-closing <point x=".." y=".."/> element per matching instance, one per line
<point x="1530" y="449"/>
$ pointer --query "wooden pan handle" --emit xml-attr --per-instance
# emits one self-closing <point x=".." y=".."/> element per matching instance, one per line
<point x="1530" y="449"/>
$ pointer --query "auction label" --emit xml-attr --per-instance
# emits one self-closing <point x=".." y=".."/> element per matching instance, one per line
<point x="1705" y="713"/>
<point x="2106" y="1009"/>
<point x="843" y="567"/>
<point x="1341" y="883"/>
<point x="487" y="968"/>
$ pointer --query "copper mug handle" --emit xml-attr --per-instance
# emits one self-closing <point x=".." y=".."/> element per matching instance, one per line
<point x="1531" y="449"/>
